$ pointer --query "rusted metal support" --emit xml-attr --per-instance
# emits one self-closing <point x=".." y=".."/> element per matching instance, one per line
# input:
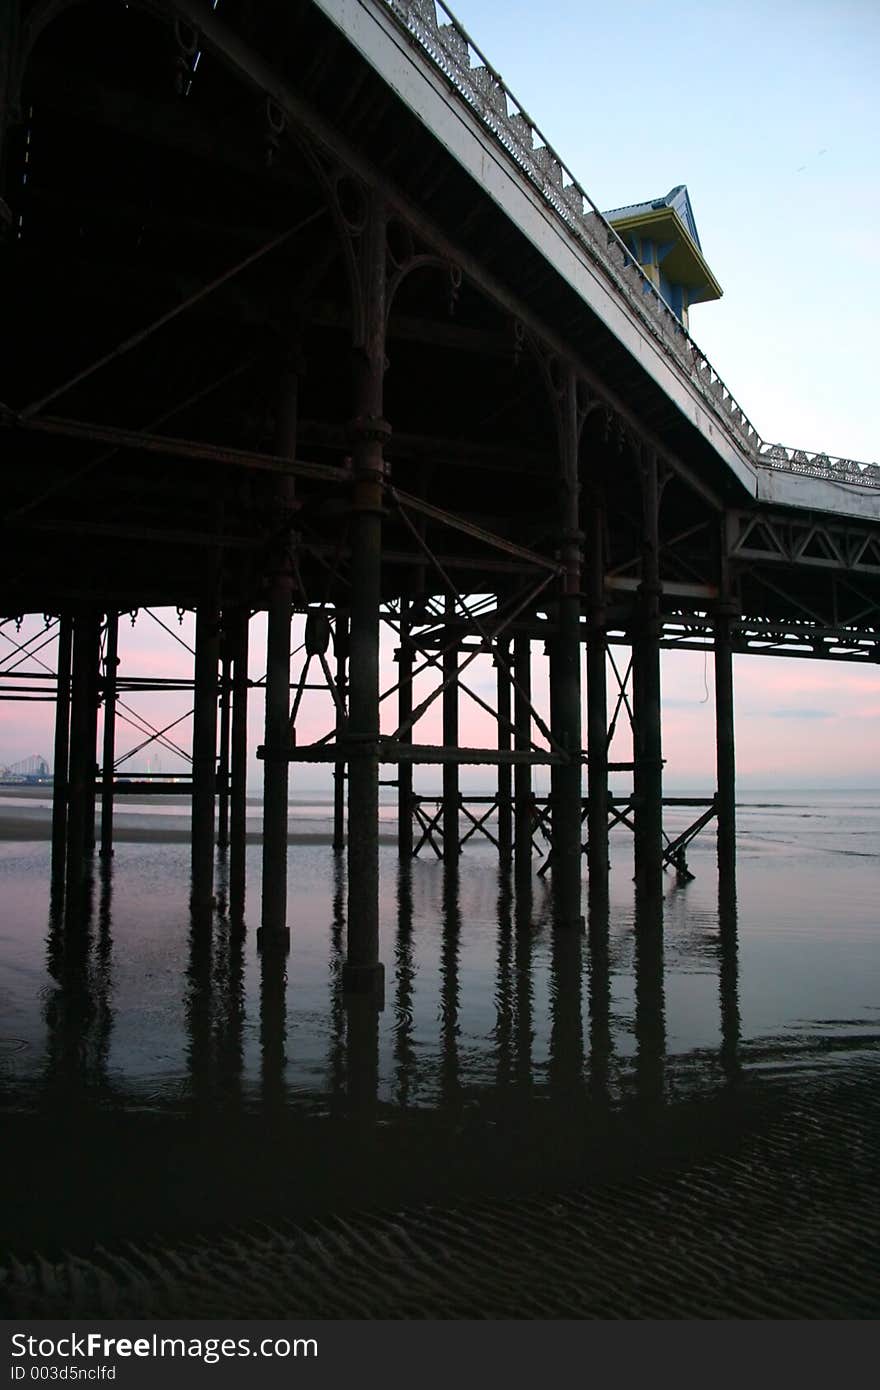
<point x="522" y="777"/>
<point x="341" y="646"/>
<point x="565" y="678"/>
<point x="225" y="724"/>
<point x="10" y="23"/>
<point x="83" y="741"/>
<point x="362" y="972"/>
<point x="647" y="743"/>
<point x="725" y="749"/>
<point x="505" y="774"/>
<point x="111" y="663"/>
<point x="204" y="754"/>
<point x="276" y="774"/>
<point x="240" y="631"/>
<point x="451" y="846"/>
<point x="61" y="754"/>
<point x="597" y="708"/>
<point x="725" y="752"/>
<point x="404" y="714"/>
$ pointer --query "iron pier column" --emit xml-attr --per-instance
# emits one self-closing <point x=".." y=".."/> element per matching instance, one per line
<point x="522" y="775"/>
<point x="362" y="971"/>
<point x="597" y="709"/>
<point x="61" y="753"/>
<point x="451" y="827"/>
<point x="83" y="742"/>
<point x="505" y="772"/>
<point x="724" y="743"/>
<point x="225" y="723"/>
<point x="111" y="662"/>
<point x="404" y="714"/>
<point x="204" y="754"/>
<point x="647" y="750"/>
<point x="277" y="740"/>
<point x="238" y="761"/>
<point x="341" y="646"/>
<point x="565" y="679"/>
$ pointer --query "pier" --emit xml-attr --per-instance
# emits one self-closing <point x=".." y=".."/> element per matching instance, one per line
<point x="304" y="316"/>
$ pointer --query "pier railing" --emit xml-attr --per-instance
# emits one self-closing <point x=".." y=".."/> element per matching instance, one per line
<point x="433" y="26"/>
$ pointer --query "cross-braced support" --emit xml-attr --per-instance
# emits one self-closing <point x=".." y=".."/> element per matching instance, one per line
<point x="363" y="972"/>
<point x="274" y="931"/>
<point x="61" y="756"/>
<point x="238" y="628"/>
<point x="111" y="664"/>
<point x="204" y="754"/>
<point x="565" y="679"/>
<point x="647" y="745"/>
<point x="82" y="767"/>
<point x="597" y="707"/>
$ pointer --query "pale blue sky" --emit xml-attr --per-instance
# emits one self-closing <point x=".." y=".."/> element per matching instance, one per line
<point x="769" y="112"/>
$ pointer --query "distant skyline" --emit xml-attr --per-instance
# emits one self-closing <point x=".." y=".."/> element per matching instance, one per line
<point x="769" y="113"/>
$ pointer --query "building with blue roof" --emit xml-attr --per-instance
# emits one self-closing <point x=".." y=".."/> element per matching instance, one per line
<point x="662" y="236"/>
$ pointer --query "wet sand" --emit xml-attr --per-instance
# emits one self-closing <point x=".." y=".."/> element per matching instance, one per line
<point x="30" y="820"/>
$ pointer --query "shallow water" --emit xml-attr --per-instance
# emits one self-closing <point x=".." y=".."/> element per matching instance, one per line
<point x="160" y="1076"/>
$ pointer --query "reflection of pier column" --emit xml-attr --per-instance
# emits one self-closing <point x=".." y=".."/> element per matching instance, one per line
<point x="504" y="988"/>
<point x="404" y="1051"/>
<point x="108" y="756"/>
<point x="650" y="1022"/>
<point x="522" y="781"/>
<point x="404" y="714"/>
<point x="276" y="772"/>
<point x="724" y="744"/>
<point x="648" y="771"/>
<point x="61" y="754"/>
<point x="238" y="752"/>
<point x="523" y="1024"/>
<point x="273" y="1023"/>
<point x="204" y="754"/>
<point x="199" y="1009"/>
<point x="599" y="991"/>
<point x="597" y="708"/>
<point x="565" y="681"/>
<point x="340" y="641"/>
<point x="567" y="1025"/>
<point x="728" y="976"/>
<point x="450" y="741"/>
<point x="450" y="1084"/>
<point x="83" y="742"/>
<point x="505" y="771"/>
<point x="363" y="973"/>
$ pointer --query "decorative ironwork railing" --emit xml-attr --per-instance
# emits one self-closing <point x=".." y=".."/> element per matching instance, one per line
<point x="451" y="49"/>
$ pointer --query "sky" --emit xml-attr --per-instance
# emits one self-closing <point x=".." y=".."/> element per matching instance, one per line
<point x="769" y="112"/>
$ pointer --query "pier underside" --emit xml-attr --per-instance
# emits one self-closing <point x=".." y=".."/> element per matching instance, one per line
<point x="268" y="347"/>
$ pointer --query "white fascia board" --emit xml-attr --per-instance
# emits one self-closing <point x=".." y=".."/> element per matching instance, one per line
<point x="378" y="39"/>
<point x="803" y="490"/>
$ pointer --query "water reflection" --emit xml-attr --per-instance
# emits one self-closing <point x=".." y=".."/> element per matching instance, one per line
<point x="728" y="977"/>
<point x="650" y="1020"/>
<point x="503" y="1030"/>
<point x="405" y="971"/>
<point x="450" y="1083"/>
<point x="599" y="995"/>
<point x="523" y="1030"/>
<point x="516" y="1015"/>
<point x="78" y="1011"/>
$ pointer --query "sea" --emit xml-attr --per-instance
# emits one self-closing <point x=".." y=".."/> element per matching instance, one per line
<point x="162" y="1079"/>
